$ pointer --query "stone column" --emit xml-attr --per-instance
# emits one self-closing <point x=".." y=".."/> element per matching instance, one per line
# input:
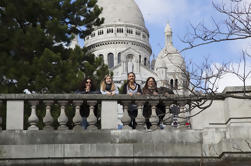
<point x="168" y="118"/>
<point x="92" y="119"/>
<point x="140" y="119"/>
<point x="126" y="118"/>
<point x="48" y="119"/>
<point x="62" y="119"/>
<point x="115" y="58"/>
<point x="182" y="114"/>
<point x="136" y="66"/>
<point x="33" y="119"/>
<point x="1" y="119"/>
<point x="77" y="119"/>
<point x="154" y="119"/>
<point x="124" y="67"/>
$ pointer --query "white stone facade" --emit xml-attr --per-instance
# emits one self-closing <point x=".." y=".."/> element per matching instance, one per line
<point x="123" y="42"/>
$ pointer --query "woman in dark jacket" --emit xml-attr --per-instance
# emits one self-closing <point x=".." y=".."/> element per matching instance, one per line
<point x="132" y="88"/>
<point x="87" y="87"/>
<point x="150" y="88"/>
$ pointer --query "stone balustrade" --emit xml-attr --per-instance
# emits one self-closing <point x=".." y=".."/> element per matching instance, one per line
<point x="62" y="111"/>
<point x="219" y="135"/>
<point x="108" y="105"/>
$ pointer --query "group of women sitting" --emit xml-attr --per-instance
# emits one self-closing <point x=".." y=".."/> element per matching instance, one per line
<point x="108" y="87"/>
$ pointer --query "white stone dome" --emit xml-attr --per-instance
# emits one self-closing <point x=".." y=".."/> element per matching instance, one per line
<point x="123" y="27"/>
<point x="121" y="11"/>
<point x="169" y="56"/>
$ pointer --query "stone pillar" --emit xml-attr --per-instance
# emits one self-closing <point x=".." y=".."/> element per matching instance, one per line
<point x="15" y="115"/>
<point x="154" y="119"/>
<point x="115" y="59"/>
<point x="109" y="114"/>
<point x="140" y="119"/>
<point x="124" y="67"/>
<point x="1" y="119"/>
<point x="77" y="119"/>
<point x="168" y="118"/>
<point x="126" y="118"/>
<point x="33" y="119"/>
<point x="182" y="114"/>
<point x="92" y="119"/>
<point x="136" y="67"/>
<point x="62" y="119"/>
<point x="48" y="119"/>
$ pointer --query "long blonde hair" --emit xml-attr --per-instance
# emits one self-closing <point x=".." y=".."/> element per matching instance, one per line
<point x="103" y="84"/>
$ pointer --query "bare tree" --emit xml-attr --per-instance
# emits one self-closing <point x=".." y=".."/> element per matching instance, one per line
<point x="236" y="26"/>
<point x="241" y="70"/>
<point x="202" y="84"/>
<point x="203" y="81"/>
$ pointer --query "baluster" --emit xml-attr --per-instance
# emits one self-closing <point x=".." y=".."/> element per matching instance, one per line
<point x="126" y="118"/>
<point x="140" y="119"/>
<point x="48" y="119"/>
<point x="154" y="119"/>
<point x="33" y="119"/>
<point x="1" y="119"/>
<point x="168" y="118"/>
<point x="182" y="114"/>
<point x="62" y="119"/>
<point x="77" y="119"/>
<point x="92" y="119"/>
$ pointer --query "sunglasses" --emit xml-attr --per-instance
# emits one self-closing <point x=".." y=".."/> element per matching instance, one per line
<point x="88" y="82"/>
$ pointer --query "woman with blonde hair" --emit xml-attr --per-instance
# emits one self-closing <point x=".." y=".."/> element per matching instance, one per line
<point x="108" y="87"/>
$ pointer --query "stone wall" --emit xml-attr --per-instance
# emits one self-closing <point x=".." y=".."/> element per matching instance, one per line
<point x="222" y="147"/>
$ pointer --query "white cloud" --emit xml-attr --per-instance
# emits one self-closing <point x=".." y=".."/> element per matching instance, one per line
<point x="230" y="79"/>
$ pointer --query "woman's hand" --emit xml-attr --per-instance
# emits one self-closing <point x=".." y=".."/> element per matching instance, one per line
<point x="87" y="89"/>
<point x="155" y="93"/>
<point x="130" y="94"/>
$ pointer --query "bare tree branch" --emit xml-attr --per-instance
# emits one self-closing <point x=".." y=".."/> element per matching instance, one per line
<point x="236" y="26"/>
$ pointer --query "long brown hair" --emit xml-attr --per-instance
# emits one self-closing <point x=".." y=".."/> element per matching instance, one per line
<point x="103" y="83"/>
<point x="146" y="85"/>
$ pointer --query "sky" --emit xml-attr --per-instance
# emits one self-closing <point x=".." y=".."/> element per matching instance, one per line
<point x="180" y="14"/>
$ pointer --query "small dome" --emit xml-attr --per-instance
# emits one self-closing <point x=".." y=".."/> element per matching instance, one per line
<point x="169" y="56"/>
<point x="121" y="11"/>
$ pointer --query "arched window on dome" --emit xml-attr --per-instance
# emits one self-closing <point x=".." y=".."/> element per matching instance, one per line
<point x="176" y="83"/>
<point x="145" y="61"/>
<point x="139" y="58"/>
<point x="171" y="83"/>
<point x="120" y="30"/>
<point x="110" y="30"/>
<point x="119" y="58"/>
<point x="110" y="60"/>
<point x="100" y="32"/>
